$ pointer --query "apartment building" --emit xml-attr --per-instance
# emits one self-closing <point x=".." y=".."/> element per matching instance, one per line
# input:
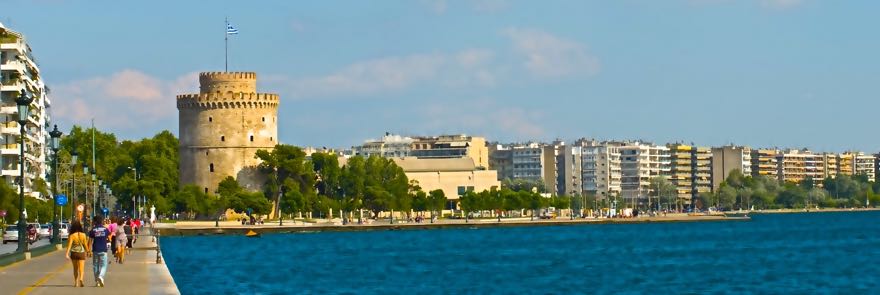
<point x="690" y="170"/>
<point x="600" y="168"/>
<point x="764" y="162"/>
<point x="428" y="147"/>
<point x="529" y="161"/>
<point x="795" y="166"/>
<point x="858" y="163"/>
<point x="569" y="169"/>
<point x="725" y="159"/>
<point x="19" y="74"/>
<point x="639" y="162"/>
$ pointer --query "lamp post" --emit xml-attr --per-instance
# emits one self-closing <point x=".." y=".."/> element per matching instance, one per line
<point x="86" y="176"/>
<point x="133" y="205"/>
<point x="55" y="144"/>
<point x="94" y="192"/>
<point x="73" y="157"/>
<point x="23" y="102"/>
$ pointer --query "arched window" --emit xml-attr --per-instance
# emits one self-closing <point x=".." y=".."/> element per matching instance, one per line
<point x="264" y="119"/>
<point x="212" y="167"/>
<point x="252" y="138"/>
<point x="222" y="138"/>
<point x="210" y="119"/>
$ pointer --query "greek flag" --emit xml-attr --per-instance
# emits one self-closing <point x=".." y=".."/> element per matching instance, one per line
<point x="230" y="30"/>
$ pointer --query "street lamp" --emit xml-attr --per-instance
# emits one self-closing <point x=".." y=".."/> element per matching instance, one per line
<point x="133" y="197"/>
<point x="23" y="102"/>
<point x="86" y="176"/>
<point x="94" y="192"/>
<point x="55" y="145"/>
<point x="73" y="157"/>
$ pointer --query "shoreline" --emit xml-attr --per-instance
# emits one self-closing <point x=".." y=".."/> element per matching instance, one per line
<point x="201" y="228"/>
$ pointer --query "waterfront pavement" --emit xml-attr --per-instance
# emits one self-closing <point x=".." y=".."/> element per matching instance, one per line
<point x="12" y="246"/>
<point x="53" y="274"/>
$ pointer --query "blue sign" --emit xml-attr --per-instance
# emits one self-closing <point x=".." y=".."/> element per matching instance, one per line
<point x="106" y="211"/>
<point x="61" y="200"/>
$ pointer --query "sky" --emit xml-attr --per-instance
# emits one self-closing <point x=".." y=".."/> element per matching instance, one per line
<point x="763" y="73"/>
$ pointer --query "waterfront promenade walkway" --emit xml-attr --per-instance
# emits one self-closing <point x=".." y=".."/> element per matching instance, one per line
<point x="53" y="274"/>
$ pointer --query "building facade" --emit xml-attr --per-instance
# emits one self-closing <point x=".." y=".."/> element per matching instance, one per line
<point x="569" y="169"/>
<point x="530" y="161"/>
<point x="725" y="159"/>
<point x="639" y="163"/>
<point x="795" y="166"/>
<point x="454" y="176"/>
<point x="601" y="171"/>
<point x="222" y="127"/>
<point x="764" y="163"/>
<point x="691" y="171"/>
<point x="858" y="163"/>
<point x="19" y="74"/>
<point x="428" y="147"/>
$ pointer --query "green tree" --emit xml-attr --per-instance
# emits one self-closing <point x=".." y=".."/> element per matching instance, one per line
<point x="436" y="201"/>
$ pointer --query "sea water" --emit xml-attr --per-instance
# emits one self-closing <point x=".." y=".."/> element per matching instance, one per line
<point x="772" y="253"/>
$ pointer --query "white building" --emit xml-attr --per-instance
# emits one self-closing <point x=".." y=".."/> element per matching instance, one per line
<point x="639" y="163"/>
<point x="529" y="161"/>
<point x="19" y="73"/>
<point x="600" y="162"/>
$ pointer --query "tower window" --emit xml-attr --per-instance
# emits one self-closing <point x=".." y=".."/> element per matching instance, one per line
<point x="212" y="167"/>
<point x="222" y="138"/>
<point x="210" y="119"/>
<point x="206" y="153"/>
<point x="206" y="190"/>
<point x="264" y="119"/>
<point x="252" y="138"/>
<point x="270" y="138"/>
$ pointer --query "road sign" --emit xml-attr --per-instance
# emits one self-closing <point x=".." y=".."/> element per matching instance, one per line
<point x="61" y="200"/>
<point x="80" y="208"/>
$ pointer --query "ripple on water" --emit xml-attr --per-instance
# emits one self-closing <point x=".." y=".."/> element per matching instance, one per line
<point x="786" y="253"/>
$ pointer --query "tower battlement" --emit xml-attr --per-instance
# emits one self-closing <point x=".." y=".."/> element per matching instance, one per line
<point x="212" y="82"/>
<point x="227" y="100"/>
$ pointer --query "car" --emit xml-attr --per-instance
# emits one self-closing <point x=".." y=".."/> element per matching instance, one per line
<point x="63" y="231"/>
<point x="45" y="230"/>
<point x="11" y="234"/>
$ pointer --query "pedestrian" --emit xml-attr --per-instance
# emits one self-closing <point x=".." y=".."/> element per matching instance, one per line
<point x="77" y="247"/>
<point x="119" y="240"/>
<point x="112" y="227"/>
<point x="98" y="239"/>
<point x="126" y="227"/>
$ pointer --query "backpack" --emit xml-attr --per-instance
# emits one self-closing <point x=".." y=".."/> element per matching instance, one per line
<point x="77" y="246"/>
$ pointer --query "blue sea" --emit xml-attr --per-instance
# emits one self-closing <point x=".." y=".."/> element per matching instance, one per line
<point x="773" y="253"/>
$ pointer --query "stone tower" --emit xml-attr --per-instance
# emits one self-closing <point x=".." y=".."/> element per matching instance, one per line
<point x="222" y="127"/>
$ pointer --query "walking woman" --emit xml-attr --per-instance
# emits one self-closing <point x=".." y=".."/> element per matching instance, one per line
<point x="77" y="247"/>
<point x="119" y="239"/>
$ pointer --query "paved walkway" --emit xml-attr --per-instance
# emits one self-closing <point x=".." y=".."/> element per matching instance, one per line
<point x="53" y="274"/>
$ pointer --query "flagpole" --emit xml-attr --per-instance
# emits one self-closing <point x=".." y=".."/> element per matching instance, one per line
<point x="226" y="47"/>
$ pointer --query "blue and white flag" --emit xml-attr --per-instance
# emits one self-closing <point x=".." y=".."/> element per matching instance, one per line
<point x="230" y="30"/>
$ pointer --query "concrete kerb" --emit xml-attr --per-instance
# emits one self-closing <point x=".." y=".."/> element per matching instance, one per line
<point x="12" y="258"/>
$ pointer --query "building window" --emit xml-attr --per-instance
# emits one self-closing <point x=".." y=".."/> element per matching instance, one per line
<point x="212" y="167"/>
<point x="210" y="119"/>
<point x="270" y="138"/>
<point x="252" y="138"/>
<point x="264" y="119"/>
<point x="206" y="153"/>
<point x="222" y="138"/>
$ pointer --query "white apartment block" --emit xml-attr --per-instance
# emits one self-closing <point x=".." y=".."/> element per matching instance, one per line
<point x="639" y="163"/>
<point x="601" y="171"/>
<point x="529" y="161"/>
<point x="19" y="73"/>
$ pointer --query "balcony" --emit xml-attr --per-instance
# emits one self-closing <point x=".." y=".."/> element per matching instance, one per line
<point x="9" y="149"/>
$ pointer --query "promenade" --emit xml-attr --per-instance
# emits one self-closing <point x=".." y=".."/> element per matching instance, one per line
<point x="53" y="274"/>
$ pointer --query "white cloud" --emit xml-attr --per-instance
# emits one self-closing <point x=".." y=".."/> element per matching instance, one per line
<point x="467" y="67"/>
<point x="125" y="99"/>
<point x="485" y="116"/>
<point x="489" y="5"/>
<point x="437" y="6"/>
<point x="781" y="4"/>
<point x="551" y="56"/>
